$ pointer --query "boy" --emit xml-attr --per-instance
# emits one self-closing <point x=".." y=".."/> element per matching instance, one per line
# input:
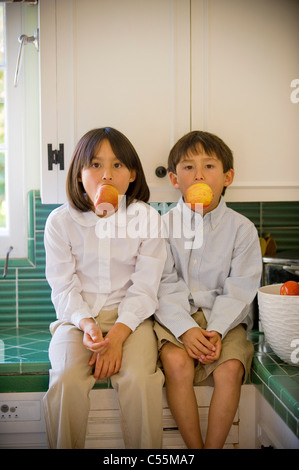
<point x="206" y="292"/>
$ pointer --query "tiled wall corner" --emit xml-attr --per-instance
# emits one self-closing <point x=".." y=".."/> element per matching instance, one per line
<point x="24" y="293"/>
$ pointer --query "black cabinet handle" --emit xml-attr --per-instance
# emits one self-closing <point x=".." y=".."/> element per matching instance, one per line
<point x="161" y="171"/>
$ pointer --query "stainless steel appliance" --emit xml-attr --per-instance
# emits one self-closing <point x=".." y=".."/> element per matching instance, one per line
<point x="282" y="267"/>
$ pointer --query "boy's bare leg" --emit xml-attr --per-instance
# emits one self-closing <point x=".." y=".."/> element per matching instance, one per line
<point x="227" y="388"/>
<point x="179" y="374"/>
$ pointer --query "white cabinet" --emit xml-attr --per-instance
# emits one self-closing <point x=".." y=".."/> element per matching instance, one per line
<point x="158" y="69"/>
<point x="124" y="64"/>
<point x="271" y="430"/>
<point x="244" y="60"/>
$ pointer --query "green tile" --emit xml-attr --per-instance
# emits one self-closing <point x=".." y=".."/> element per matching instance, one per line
<point x="10" y="368"/>
<point x="16" y="341"/>
<point x="10" y="274"/>
<point x="25" y="351"/>
<point x="287" y="390"/>
<point x="280" y="409"/>
<point x="292" y="423"/>
<point x="30" y="215"/>
<point x="24" y="383"/>
<point x="7" y="303"/>
<point x="16" y="263"/>
<point x="280" y="214"/>
<point x="37" y="367"/>
<point x="37" y="334"/>
<point x="277" y="381"/>
<point x="37" y="273"/>
<point x="15" y="353"/>
<point x="42" y="212"/>
<point x="251" y="210"/>
<point x="34" y="358"/>
<point x="31" y="250"/>
<point x="291" y="401"/>
<point x="269" y="396"/>
<point x="285" y="238"/>
<point x="281" y="220"/>
<point x="100" y="384"/>
<point x="35" y="306"/>
<point x="256" y="379"/>
<point x="40" y="250"/>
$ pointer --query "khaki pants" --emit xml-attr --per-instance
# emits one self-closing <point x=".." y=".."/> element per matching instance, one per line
<point x="139" y="384"/>
<point x="235" y="345"/>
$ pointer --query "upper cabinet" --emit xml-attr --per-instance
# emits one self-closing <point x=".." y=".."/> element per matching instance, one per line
<point x="245" y="58"/>
<point x="118" y="63"/>
<point x="158" y="69"/>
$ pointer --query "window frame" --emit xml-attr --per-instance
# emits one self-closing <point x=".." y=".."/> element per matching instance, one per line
<point x="15" y="234"/>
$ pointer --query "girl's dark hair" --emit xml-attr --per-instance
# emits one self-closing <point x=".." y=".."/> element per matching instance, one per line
<point x="83" y="155"/>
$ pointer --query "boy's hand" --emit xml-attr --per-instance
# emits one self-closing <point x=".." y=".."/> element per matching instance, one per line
<point x="198" y="342"/>
<point x="216" y="341"/>
<point x="92" y="337"/>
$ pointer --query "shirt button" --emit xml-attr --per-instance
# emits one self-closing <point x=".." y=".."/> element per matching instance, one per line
<point x="195" y="261"/>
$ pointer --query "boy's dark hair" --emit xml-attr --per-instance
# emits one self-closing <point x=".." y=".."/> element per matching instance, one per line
<point x="198" y="142"/>
<point x="83" y="155"/>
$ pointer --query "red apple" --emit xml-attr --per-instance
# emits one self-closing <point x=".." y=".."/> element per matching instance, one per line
<point x="106" y="200"/>
<point x="290" y="288"/>
<point x="199" y="193"/>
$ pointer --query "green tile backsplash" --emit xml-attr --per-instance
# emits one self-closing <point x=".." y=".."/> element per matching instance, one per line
<point x="25" y="294"/>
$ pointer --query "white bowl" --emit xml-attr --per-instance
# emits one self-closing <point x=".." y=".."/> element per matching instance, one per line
<point x="279" y="316"/>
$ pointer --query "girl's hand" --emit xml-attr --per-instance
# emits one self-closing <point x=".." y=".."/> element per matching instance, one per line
<point x="108" y="363"/>
<point x="92" y="337"/>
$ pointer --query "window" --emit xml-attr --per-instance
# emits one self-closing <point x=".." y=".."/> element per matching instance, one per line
<point x="3" y="217"/>
<point x="14" y="125"/>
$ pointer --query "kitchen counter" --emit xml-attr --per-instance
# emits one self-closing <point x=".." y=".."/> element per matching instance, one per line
<point x="24" y="360"/>
<point x="24" y="367"/>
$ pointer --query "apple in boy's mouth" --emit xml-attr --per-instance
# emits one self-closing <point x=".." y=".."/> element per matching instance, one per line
<point x="199" y="193"/>
<point x="106" y="200"/>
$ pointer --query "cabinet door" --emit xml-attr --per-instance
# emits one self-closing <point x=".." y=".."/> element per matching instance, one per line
<point x="122" y="63"/>
<point x="245" y="63"/>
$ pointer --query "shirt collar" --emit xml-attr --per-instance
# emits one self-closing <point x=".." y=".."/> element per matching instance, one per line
<point x="212" y="217"/>
<point x="90" y="219"/>
<point x="215" y="215"/>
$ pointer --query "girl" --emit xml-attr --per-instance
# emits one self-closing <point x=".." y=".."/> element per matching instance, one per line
<point x="104" y="290"/>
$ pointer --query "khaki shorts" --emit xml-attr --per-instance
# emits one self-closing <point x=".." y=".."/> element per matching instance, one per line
<point x="235" y="345"/>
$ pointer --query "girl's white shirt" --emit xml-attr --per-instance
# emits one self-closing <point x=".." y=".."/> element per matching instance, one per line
<point x="95" y="264"/>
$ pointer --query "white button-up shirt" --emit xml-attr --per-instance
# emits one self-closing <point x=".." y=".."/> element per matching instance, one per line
<point x="94" y="263"/>
<point x="214" y="264"/>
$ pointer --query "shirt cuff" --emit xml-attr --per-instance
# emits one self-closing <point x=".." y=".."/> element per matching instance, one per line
<point x="77" y="317"/>
<point x="129" y="320"/>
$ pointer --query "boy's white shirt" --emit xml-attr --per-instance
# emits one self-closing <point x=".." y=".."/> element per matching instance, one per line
<point x="221" y="277"/>
<point x="89" y="271"/>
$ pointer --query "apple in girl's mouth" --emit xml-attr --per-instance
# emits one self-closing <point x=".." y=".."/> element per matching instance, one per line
<point x="106" y="200"/>
<point x="199" y="193"/>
